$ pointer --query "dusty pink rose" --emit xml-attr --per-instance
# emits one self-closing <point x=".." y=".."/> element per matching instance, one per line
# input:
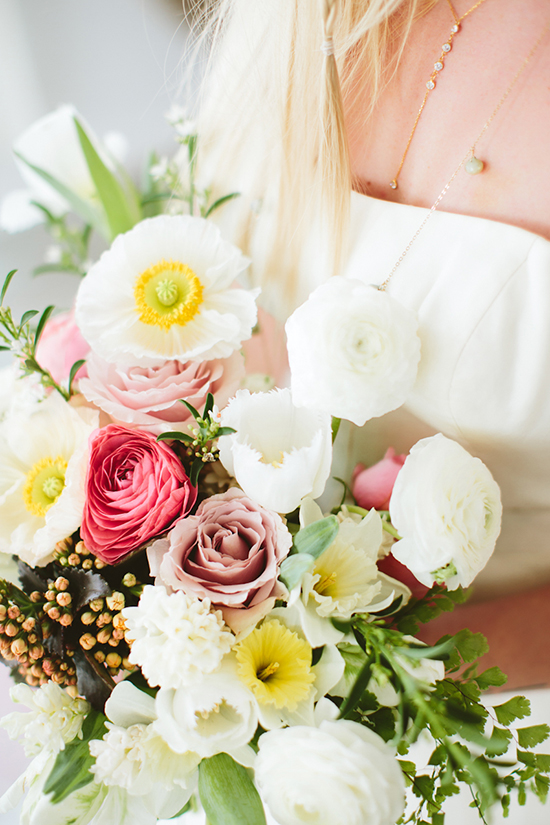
<point x="372" y="487"/>
<point x="60" y="345"/>
<point x="135" y="489"/>
<point x="229" y="552"/>
<point x="149" y="397"/>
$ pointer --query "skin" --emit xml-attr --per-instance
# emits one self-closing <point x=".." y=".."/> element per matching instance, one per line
<point x="514" y="188"/>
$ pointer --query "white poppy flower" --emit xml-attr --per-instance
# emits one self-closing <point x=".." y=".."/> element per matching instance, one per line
<point x="164" y="291"/>
<point x="339" y="773"/>
<point x="446" y="506"/>
<point x="42" y="460"/>
<point x="52" y="144"/>
<point x="353" y="351"/>
<point x="279" y="453"/>
<point x="219" y="714"/>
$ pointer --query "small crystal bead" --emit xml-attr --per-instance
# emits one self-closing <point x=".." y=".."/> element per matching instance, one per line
<point x="446" y="47"/>
<point x="438" y="66"/>
<point x="455" y="28"/>
<point x="430" y="85"/>
<point x="393" y="184"/>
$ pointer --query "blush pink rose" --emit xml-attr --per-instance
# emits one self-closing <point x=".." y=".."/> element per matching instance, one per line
<point x="135" y="489"/>
<point x="60" y="346"/>
<point x="148" y="398"/>
<point x="228" y="552"/>
<point x="372" y="487"/>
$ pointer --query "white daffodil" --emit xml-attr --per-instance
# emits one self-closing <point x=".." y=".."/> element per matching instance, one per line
<point x="164" y="290"/>
<point x="133" y="756"/>
<point x="446" y="505"/>
<point x="219" y="714"/>
<point x="279" y="453"/>
<point x="42" y="461"/>
<point x="345" y="579"/>
<point x="353" y="351"/>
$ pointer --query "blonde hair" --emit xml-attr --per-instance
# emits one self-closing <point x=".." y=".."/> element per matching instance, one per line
<point x="272" y="116"/>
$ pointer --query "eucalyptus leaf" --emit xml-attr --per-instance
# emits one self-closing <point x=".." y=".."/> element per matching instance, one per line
<point x="315" y="538"/>
<point x="78" y="204"/>
<point x="228" y="794"/>
<point x="71" y="770"/>
<point x="109" y="190"/>
<point x="220" y="202"/>
<point x="6" y="284"/>
<point x="42" y="323"/>
<point x="293" y="568"/>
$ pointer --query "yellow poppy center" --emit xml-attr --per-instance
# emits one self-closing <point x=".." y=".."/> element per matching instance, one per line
<point x="168" y="293"/>
<point x="275" y="664"/>
<point x="44" y="485"/>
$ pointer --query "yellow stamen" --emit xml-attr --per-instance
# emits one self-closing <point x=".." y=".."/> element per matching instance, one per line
<point x="168" y="293"/>
<point x="44" y="485"/>
<point x="275" y="664"/>
<point x="324" y="583"/>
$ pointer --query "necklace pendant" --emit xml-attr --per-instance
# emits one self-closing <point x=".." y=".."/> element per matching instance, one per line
<point x="456" y="28"/>
<point x="393" y="184"/>
<point x="474" y="166"/>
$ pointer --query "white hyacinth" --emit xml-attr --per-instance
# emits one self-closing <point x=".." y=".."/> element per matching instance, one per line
<point x="55" y="718"/>
<point x="175" y="639"/>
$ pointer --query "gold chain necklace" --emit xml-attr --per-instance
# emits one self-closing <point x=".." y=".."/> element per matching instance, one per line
<point x="469" y="154"/>
<point x="430" y="85"/>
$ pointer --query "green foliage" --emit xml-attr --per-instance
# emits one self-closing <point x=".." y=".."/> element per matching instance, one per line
<point x="314" y="539"/>
<point x="228" y="794"/>
<point x="533" y="736"/>
<point x="516" y="708"/>
<point x="71" y="770"/>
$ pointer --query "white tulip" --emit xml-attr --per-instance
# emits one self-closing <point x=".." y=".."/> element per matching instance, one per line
<point x="353" y="351"/>
<point x="446" y="506"/>
<point x="279" y="453"/>
<point x="337" y="774"/>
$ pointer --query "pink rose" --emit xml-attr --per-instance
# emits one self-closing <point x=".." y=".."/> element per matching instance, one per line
<point x="135" y="490"/>
<point x="372" y="487"/>
<point x="229" y="552"/>
<point x="149" y="397"/>
<point x="60" y="345"/>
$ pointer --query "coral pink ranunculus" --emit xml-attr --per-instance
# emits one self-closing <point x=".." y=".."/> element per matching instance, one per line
<point x="136" y="489"/>
<point x="372" y="487"/>
<point x="149" y="397"/>
<point x="61" y="345"/>
<point x="229" y="552"/>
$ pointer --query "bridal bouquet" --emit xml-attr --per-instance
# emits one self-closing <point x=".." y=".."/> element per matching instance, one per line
<point x="188" y="628"/>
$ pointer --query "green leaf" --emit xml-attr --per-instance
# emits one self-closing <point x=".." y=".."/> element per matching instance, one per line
<point x="109" y="190"/>
<point x="71" y="770"/>
<point x="195" y="413"/>
<point x="41" y="324"/>
<point x="196" y="468"/>
<point x="407" y="767"/>
<point x="359" y="687"/>
<point x="532" y="736"/>
<point x="44" y="269"/>
<point x="293" y="568"/>
<point x="440" y="651"/>
<point x="540" y="761"/>
<point x="471" y="645"/>
<point x="542" y="783"/>
<point x="315" y="538"/>
<point x="335" y="426"/>
<point x="74" y="369"/>
<point x="6" y="284"/>
<point x="79" y="205"/>
<point x="491" y="677"/>
<point x="518" y="707"/>
<point x="220" y="202"/>
<point x="209" y="405"/>
<point x="225" y="431"/>
<point x="27" y="316"/>
<point x="228" y="794"/>
<point x="175" y="436"/>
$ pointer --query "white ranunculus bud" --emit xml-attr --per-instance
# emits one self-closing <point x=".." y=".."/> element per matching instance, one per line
<point x="279" y="453"/>
<point x="353" y="351"/>
<point x="446" y="505"/>
<point x="337" y="774"/>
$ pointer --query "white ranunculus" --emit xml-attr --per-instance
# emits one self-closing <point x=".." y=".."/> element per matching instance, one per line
<point x="42" y="461"/>
<point x="337" y="774"/>
<point x="164" y="291"/>
<point x="446" y="506"/>
<point x="52" y="144"/>
<point x="279" y="453"/>
<point x="353" y="351"/>
<point x="219" y="714"/>
<point x="175" y="639"/>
